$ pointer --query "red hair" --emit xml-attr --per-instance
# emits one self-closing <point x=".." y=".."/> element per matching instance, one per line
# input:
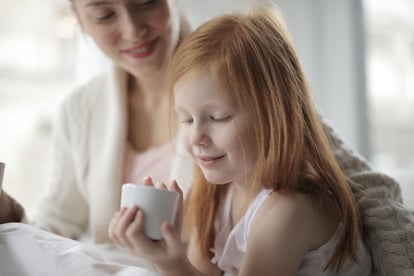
<point x="253" y="59"/>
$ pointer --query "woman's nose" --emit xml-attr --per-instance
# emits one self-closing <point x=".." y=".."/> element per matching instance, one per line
<point x="133" y="28"/>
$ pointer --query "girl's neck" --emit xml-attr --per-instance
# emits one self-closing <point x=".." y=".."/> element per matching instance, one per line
<point x="239" y="203"/>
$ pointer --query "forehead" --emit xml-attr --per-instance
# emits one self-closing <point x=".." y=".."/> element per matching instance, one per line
<point x="201" y="86"/>
<point x="92" y="3"/>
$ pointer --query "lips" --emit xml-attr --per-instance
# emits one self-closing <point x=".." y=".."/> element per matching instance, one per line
<point x="208" y="161"/>
<point x="141" y="51"/>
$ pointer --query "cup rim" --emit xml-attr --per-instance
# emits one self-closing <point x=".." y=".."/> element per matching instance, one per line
<point x="142" y="186"/>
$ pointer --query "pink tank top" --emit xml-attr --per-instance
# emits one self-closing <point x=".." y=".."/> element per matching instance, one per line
<point x="154" y="162"/>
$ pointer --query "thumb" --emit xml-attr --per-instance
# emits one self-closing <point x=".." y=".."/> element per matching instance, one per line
<point x="180" y="210"/>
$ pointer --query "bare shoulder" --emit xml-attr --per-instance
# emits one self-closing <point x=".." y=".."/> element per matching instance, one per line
<point x="284" y="228"/>
<point x="296" y="214"/>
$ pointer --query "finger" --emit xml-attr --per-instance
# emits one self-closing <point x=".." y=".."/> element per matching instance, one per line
<point x="147" y="181"/>
<point x="127" y="216"/>
<point x="112" y="225"/>
<point x="180" y="210"/>
<point x="142" y="245"/>
<point x="175" y="187"/>
<point x="135" y="230"/>
<point x="172" y="238"/>
<point x="161" y="185"/>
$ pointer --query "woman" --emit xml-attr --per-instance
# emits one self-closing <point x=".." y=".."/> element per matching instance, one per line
<point x="116" y="119"/>
<point x="118" y="123"/>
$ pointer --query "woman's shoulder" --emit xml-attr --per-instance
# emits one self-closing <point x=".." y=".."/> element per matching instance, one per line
<point x="87" y="92"/>
<point x="99" y="91"/>
<point x="80" y="105"/>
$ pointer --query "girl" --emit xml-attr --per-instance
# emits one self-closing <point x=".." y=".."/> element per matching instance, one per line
<point x="268" y="196"/>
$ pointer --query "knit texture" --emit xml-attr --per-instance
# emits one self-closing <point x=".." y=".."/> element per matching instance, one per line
<point x="388" y="225"/>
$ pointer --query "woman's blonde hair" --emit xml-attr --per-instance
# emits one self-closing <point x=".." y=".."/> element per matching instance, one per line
<point x="252" y="58"/>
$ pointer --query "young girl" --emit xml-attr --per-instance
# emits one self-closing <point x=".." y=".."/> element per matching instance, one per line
<point x="268" y="196"/>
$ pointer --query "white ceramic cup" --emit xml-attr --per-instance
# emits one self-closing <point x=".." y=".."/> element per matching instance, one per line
<point x="2" y="166"/>
<point x="158" y="206"/>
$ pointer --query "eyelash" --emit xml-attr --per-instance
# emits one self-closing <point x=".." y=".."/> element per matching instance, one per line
<point x="105" y="17"/>
<point x="216" y="120"/>
<point x="220" y="120"/>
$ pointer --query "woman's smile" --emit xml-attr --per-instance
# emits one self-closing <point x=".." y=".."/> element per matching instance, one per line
<point x="141" y="51"/>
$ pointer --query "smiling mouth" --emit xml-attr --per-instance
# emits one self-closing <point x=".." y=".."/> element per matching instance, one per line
<point x="143" y="50"/>
<point x="140" y="50"/>
<point x="208" y="161"/>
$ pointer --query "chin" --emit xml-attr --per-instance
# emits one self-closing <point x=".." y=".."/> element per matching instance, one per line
<point x="216" y="181"/>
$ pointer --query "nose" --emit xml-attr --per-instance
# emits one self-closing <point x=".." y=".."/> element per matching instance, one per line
<point x="132" y="27"/>
<point x="198" y="135"/>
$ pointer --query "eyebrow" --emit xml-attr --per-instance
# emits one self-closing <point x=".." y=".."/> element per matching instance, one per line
<point x="98" y="3"/>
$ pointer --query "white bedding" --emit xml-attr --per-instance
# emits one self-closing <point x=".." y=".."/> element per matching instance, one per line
<point x="28" y="251"/>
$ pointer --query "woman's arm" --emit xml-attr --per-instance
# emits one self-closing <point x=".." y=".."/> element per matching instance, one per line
<point x="388" y="224"/>
<point x="61" y="208"/>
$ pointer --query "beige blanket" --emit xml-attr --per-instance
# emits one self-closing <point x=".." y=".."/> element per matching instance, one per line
<point x="388" y="224"/>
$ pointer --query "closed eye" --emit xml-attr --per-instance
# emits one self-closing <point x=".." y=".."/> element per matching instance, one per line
<point x="221" y="119"/>
<point x="105" y="17"/>
<point x="186" y="121"/>
<point x="148" y="2"/>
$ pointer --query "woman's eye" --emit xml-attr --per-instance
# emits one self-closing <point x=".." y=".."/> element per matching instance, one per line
<point x="186" y="121"/>
<point x="146" y="2"/>
<point x="105" y="17"/>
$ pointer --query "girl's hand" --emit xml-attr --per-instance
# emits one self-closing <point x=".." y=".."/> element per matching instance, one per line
<point x="126" y="229"/>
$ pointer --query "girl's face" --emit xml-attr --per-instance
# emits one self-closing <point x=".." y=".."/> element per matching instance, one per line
<point x="215" y="134"/>
<point x="138" y="35"/>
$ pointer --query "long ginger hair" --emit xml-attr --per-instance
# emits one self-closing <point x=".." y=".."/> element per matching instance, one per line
<point x="253" y="59"/>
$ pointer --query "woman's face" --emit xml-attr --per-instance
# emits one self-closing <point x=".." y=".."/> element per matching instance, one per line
<point x="138" y="35"/>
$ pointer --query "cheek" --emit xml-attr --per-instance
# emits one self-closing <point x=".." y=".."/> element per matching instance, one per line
<point x="246" y="148"/>
<point x="184" y="139"/>
<point x="105" y="39"/>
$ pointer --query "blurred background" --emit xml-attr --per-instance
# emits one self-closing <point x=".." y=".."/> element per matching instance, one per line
<point x="358" y="56"/>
